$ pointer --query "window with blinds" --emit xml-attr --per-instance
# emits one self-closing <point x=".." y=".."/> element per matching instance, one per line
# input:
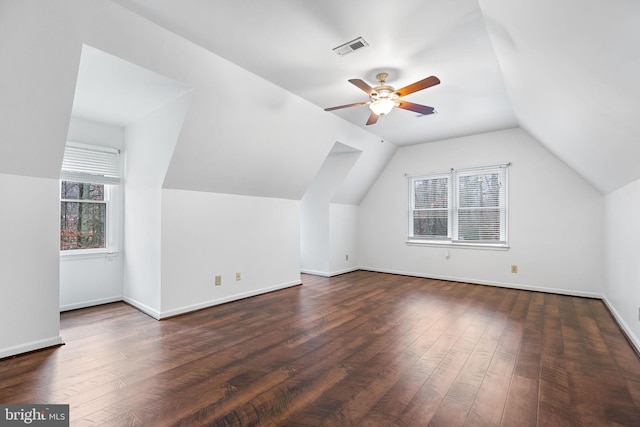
<point x="461" y="207"/>
<point x="88" y="179"/>
<point x="430" y="213"/>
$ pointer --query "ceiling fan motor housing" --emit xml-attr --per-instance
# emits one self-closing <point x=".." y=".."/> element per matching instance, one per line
<point x="383" y="97"/>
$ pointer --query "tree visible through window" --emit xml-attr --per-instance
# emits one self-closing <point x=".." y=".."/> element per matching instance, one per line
<point x="431" y="207"/>
<point x="83" y="216"/>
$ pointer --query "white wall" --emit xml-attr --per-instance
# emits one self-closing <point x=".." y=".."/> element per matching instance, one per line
<point x="556" y="219"/>
<point x="208" y="234"/>
<point x="316" y="221"/>
<point x="87" y="280"/>
<point x="95" y="133"/>
<point x="29" y="264"/>
<point x="343" y="238"/>
<point x="622" y="229"/>
<point x="150" y="143"/>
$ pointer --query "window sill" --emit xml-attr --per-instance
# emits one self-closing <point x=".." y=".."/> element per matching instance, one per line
<point x="449" y="244"/>
<point x="87" y="253"/>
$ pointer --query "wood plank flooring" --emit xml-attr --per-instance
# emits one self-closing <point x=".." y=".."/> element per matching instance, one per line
<point x="360" y="349"/>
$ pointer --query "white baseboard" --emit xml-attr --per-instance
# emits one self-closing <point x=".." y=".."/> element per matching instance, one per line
<point x="635" y="342"/>
<point x="142" y="307"/>
<point x="218" y="301"/>
<point x="31" y="346"/>
<point x="315" y="273"/>
<point x="91" y="303"/>
<point x="330" y="273"/>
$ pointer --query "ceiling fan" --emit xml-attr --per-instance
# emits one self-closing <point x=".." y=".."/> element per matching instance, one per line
<point x="383" y="98"/>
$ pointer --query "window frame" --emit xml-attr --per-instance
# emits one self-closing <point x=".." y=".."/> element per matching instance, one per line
<point x="453" y="209"/>
<point x="111" y="181"/>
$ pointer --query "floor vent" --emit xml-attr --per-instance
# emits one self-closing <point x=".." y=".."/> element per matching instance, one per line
<point x="351" y="46"/>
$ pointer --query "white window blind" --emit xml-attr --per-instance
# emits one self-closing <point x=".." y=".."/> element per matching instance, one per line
<point x="481" y="205"/>
<point x="90" y="164"/>
<point x="430" y="200"/>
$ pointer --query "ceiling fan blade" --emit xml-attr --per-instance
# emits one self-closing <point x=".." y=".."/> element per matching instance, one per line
<point x="362" y="85"/>
<point x="422" y="109"/>
<point x="422" y="84"/>
<point x="373" y="118"/>
<point x="346" y="106"/>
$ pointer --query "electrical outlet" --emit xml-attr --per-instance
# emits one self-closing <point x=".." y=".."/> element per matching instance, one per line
<point x="238" y="277"/>
<point x="514" y="268"/>
<point x="639" y="314"/>
<point x="218" y="280"/>
<point x="346" y="257"/>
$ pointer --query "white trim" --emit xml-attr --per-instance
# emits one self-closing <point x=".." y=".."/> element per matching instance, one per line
<point x="635" y="342"/>
<point x="329" y="274"/>
<point x="448" y="243"/>
<point x="218" y="301"/>
<point x="91" y="303"/>
<point x="315" y="273"/>
<point x="31" y="346"/>
<point x="74" y="254"/>
<point x="142" y="307"/>
<point x="93" y="147"/>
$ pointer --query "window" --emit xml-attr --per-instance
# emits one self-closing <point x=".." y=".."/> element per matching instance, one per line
<point x="83" y="214"/>
<point x="460" y="207"/>
<point x="89" y="180"/>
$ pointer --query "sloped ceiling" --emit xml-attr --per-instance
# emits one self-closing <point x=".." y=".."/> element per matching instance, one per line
<point x="572" y="70"/>
<point x="115" y="91"/>
<point x="564" y="71"/>
<point x="241" y="134"/>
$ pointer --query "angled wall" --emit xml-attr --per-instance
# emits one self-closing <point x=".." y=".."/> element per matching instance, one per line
<point x="315" y="211"/>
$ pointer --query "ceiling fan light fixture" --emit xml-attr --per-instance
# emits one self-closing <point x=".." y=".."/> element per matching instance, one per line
<point x="382" y="106"/>
<point x="384" y="98"/>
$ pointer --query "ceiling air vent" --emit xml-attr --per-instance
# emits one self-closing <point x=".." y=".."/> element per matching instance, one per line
<point x="351" y="46"/>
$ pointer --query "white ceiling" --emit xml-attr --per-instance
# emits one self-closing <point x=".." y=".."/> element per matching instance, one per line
<point x="112" y="90"/>
<point x="564" y="71"/>
<point x="290" y="42"/>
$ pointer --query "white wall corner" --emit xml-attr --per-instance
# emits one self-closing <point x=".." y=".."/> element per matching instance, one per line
<point x="143" y="308"/>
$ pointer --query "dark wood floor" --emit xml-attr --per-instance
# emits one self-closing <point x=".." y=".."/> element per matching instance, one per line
<point x="364" y="349"/>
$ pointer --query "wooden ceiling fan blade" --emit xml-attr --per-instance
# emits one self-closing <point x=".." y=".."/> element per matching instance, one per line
<point x="419" y="85"/>
<point x="373" y="118"/>
<point x="362" y="85"/>
<point x="346" y="106"/>
<point x="418" y="108"/>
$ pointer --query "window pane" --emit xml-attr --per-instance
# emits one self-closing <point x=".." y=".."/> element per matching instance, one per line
<point x="431" y="193"/>
<point x="479" y="190"/>
<point x="82" y="225"/>
<point x="81" y="191"/>
<point x="431" y="223"/>
<point x="479" y="224"/>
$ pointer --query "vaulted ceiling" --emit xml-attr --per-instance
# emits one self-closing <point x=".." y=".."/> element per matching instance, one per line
<point x="565" y="71"/>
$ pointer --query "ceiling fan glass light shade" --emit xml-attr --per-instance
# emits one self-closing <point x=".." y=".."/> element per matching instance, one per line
<point x="382" y="106"/>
